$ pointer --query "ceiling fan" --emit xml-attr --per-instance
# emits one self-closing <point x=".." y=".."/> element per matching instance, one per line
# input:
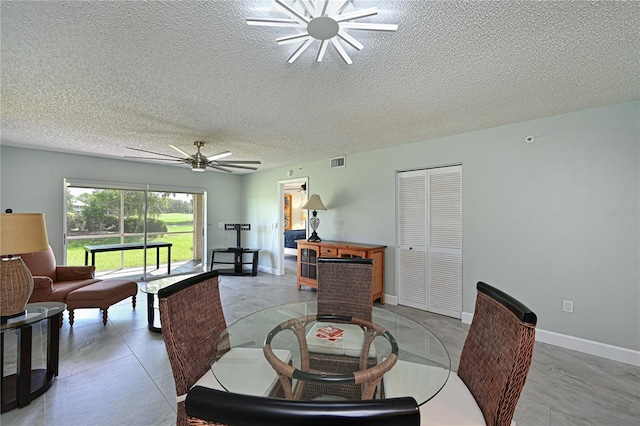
<point x="199" y="162"/>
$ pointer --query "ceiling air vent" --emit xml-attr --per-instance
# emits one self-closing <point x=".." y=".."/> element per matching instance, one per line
<point x="338" y="162"/>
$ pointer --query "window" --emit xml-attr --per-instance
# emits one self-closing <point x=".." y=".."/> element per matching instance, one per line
<point x="103" y="213"/>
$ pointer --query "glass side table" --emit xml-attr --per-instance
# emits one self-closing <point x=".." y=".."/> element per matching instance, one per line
<point x="153" y="308"/>
<point x="19" y="389"/>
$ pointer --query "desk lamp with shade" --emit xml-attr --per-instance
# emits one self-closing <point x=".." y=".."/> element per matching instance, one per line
<point x="315" y="204"/>
<point x="19" y="233"/>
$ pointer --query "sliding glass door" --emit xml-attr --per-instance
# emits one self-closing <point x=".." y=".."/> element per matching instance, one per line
<point x="134" y="231"/>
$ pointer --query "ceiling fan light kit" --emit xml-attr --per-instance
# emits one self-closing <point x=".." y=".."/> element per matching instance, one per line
<point x="199" y="162"/>
<point x="326" y="21"/>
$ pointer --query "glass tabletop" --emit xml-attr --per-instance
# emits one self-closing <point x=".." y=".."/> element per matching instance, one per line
<point x="34" y="312"/>
<point x="152" y="287"/>
<point x="421" y="370"/>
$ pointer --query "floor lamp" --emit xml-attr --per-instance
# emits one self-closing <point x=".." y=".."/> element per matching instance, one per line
<point x="20" y="233"/>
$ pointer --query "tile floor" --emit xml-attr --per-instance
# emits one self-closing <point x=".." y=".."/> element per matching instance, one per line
<point x="119" y="373"/>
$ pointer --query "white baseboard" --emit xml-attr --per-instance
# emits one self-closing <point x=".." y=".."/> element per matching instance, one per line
<point x="603" y="350"/>
<point x="391" y="300"/>
<point x="266" y="270"/>
<point x="466" y="318"/>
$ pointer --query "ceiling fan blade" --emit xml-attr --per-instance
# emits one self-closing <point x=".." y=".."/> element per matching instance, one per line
<point x="219" y="155"/>
<point x="292" y="38"/>
<point x="220" y="168"/>
<point x="269" y="22"/>
<point x="181" y="151"/>
<point x="156" y="159"/>
<point x="352" y="41"/>
<point x="229" y="162"/>
<point x="363" y="13"/>
<point x="235" y="167"/>
<point x="293" y="14"/>
<point x="368" y="27"/>
<point x="151" y="152"/>
<point x="301" y="48"/>
<point x="321" y="50"/>
<point x="341" y="51"/>
<point x="337" y="7"/>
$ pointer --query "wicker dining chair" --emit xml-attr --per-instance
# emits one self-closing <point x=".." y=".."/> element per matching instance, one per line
<point x="494" y="364"/>
<point x="192" y="322"/>
<point x="344" y="289"/>
<point x="206" y="406"/>
<point x="192" y="319"/>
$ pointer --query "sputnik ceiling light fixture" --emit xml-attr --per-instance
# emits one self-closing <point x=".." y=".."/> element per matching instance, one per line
<point x="323" y="20"/>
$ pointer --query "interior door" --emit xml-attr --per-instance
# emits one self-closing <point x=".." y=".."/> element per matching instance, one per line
<point x="429" y="240"/>
<point x="411" y="246"/>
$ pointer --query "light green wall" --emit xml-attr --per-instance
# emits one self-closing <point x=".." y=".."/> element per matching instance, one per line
<point x="552" y="220"/>
<point x="32" y="181"/>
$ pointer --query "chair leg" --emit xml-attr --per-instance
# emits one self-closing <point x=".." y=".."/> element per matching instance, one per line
<point x="104" y="317"/>
<point x="133" y="301"/>
<point x="70" y="318"/>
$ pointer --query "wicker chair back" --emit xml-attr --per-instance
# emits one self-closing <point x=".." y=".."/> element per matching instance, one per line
<point x="344" y="287"/>
<point x="192" y="319"/>
<point x="497" y="353"/>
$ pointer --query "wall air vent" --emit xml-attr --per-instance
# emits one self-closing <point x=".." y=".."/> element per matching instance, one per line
<point x="338" y="162"/>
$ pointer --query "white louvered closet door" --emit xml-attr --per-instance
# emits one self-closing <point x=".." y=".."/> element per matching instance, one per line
<point x="411" y="250"/>
<point x="429" y="232"/>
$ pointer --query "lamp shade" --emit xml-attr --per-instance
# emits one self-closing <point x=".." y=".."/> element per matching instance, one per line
<point x="22" y="233"/>
<point x="314" y="203"/>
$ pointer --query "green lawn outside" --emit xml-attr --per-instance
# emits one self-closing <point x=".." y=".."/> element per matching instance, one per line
<point x="181" y="250"/>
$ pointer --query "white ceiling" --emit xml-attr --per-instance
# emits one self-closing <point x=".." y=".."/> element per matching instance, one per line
<point x="97" y="77"/>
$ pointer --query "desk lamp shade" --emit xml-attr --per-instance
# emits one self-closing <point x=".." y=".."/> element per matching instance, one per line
<point x="315" y="204"/>
<point x="19" y="233"/>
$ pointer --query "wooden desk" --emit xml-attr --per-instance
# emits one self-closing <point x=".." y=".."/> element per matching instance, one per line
<point x="238" y="253"/>
<point x="128" y="246"/>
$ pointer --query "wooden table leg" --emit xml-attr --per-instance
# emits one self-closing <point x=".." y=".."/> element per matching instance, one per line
<point x="168" y="260"/>
<point x="53" y="347"/>
<point x="23" y="394"/>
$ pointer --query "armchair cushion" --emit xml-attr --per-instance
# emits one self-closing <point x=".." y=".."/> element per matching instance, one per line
<point x="42" y="289"/>
<point x="42" y="263"/>
<point x="71" y="273"/>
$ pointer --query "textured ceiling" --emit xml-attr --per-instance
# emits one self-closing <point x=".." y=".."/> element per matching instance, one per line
<point x="97" y="77"/>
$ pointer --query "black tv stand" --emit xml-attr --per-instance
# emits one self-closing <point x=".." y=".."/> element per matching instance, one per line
<point x="238" y="254"/>
<point x="237" y="227"/>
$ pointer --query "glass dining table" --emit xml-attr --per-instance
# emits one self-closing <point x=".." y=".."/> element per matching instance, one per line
<point x="295" y="342"/>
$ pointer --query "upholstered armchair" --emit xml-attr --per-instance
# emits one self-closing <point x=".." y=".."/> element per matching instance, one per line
<point x="51" y="282"/>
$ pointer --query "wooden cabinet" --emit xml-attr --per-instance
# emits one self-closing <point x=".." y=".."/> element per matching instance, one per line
<point x="309" y="252"/>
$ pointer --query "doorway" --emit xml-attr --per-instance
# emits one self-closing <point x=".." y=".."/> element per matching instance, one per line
<point x="292" y="221"/>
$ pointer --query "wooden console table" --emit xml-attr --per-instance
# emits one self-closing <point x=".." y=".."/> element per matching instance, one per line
<point x="238" y="253"/>
<point x="309" y="252"/>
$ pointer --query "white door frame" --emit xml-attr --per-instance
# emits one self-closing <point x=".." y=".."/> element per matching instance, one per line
<point x="280" y="229"/>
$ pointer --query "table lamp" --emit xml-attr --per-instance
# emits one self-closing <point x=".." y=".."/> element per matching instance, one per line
<point x="19" y="233"/>
<point x="315" y="204"/>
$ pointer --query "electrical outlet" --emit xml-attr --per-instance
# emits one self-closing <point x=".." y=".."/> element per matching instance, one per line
<point x="567" y="306"/>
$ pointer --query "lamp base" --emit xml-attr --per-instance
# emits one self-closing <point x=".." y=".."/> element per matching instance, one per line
<point x="6" y="318"/>
<point x="313" y="238"/>
<point x="17" y="286"/>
